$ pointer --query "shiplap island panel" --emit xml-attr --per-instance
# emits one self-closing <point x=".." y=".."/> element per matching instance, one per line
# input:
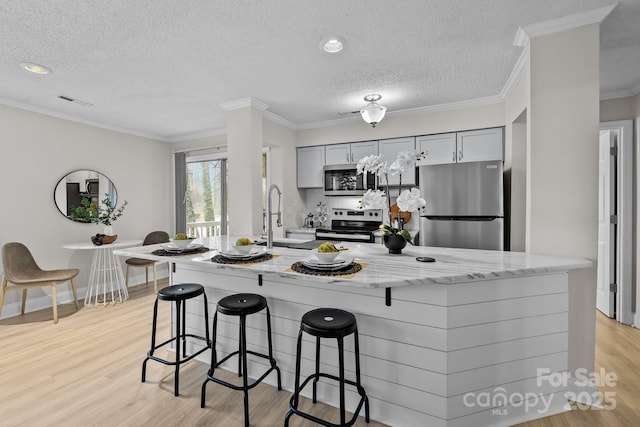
<point x="459" y="345"/>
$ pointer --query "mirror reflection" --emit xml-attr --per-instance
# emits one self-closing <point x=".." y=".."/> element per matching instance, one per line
<point x="77" y="191"/>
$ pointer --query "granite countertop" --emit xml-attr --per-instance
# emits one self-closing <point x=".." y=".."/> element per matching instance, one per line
<point x="383" y="269"/>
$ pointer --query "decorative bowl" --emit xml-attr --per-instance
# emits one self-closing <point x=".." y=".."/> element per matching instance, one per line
<point x="326" y="257"/>
<point x="101" y="239"/>
<point x="244" y="249"/>
<point x="182" y="243"/>
<point x="109" y="239"/>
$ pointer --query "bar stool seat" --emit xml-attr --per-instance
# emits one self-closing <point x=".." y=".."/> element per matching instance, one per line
<point x="328" y="323"/>
<point x="241" y="305"/>
<point x="178" y="294"/>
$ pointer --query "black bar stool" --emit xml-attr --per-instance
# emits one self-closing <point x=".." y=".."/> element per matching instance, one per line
<point x="179" y="294"/>
<point x="241" y="305"/>
<point x="329" y="323"/>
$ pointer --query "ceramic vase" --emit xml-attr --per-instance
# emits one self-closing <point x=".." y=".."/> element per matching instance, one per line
<point x="395" y="243"/>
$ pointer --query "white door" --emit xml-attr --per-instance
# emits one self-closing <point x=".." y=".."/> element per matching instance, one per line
<point x="605" y="298"/>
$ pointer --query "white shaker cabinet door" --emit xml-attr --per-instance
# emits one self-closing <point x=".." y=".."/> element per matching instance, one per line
<point x="337" y="154"/>
<point x="363" y="149"/>
<point x="310" y="164"/>
<point x="480" y="145"/>
<point x="437" y="149"/>
<point x="389" y="148"/>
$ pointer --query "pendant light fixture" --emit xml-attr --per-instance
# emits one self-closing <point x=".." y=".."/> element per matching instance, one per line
<point x="373" y="113"/>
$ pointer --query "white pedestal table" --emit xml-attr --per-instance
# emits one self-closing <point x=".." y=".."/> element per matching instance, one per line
<point x="106" y="280"/>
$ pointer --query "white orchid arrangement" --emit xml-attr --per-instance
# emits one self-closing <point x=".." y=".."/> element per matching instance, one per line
<point x="409" y="200"/>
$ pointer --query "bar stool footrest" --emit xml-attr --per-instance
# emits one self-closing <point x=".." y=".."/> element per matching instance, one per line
<point x="356" y="413"/>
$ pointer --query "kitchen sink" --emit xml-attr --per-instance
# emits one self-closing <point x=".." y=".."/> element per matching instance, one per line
<point x="278" y="244"/>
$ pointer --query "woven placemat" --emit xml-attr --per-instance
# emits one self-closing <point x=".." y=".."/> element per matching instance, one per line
<point x="162" y="252"/>
<point x="348" y="270"/>
<point x="221" y="259"/>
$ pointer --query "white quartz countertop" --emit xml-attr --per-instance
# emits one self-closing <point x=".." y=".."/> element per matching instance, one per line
<point x="382" y="269"/>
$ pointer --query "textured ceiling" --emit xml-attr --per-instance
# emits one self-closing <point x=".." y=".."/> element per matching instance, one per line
<point x="162" y="68"/>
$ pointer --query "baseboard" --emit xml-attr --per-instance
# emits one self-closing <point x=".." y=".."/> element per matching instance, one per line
<point x="584" y="392"/>
<point x="39" y="303"/>
<point x="63" y="296"/>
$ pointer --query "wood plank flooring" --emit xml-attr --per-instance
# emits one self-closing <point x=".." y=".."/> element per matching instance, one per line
<point x="85" y="371"/>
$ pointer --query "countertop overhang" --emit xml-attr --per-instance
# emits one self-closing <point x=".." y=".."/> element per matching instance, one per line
<point x="383" y="270"/>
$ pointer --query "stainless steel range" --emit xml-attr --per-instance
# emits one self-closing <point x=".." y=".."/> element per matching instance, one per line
<point x="352" y="225"/>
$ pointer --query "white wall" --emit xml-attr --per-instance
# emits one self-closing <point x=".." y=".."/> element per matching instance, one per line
<point x="282" y="143"/>
<point x="562" y="168"/>
<point x="36" y="151"/>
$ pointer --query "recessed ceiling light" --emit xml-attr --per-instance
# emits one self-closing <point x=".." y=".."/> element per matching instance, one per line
<point x="332" y="44"/>
<point x="35" y="68"/>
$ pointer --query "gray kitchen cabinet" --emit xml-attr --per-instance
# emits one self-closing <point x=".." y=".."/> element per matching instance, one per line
<point x="437" y="149"/>
<point x="480" y="145"/>
<point x="389" y="148"/>
<point x="340" y="154"/>
<point x="461" y="147"/>
<point x="310" y="162"/>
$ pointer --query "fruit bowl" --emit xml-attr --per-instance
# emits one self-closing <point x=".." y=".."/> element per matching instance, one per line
<point x="101" y="239"/>
<point x="326" y="257"/>
<point x="182" y="243"/>
<point x="243" y="249"/>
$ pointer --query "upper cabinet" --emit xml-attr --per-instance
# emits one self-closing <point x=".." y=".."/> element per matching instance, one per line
<point x="461" y="147"/>
<point x="309" y="167"/>
<point x="389" y="148"/>
<point x="480" y="145"/>
<point x="340" y="154"/>
<point x="437" y="149"/>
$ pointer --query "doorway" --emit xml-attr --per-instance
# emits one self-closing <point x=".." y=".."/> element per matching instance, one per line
<point x="615" y="222"/>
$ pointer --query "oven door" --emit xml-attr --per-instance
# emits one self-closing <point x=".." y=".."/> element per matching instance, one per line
<point x="345" y="235"/>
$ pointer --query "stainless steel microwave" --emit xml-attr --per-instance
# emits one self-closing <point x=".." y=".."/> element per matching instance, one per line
<point x="343" y="180"/>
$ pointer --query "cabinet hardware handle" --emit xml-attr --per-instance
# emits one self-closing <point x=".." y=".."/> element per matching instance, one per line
<point x="460" y="155"/>
<point x="454" y="157"/>
<point x="351" y="157"/>
<point x="347" y="157"/>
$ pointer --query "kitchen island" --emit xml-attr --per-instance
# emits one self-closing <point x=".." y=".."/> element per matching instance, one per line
<point x="457" y="342"/>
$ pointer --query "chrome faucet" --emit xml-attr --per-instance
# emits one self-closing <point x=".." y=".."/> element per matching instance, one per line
<point x="270" y="214"/>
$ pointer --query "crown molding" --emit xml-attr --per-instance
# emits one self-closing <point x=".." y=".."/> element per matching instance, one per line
<point x="592" y="16"/>
<point x="75" y="119"/>
<point x="197" y="135"/>
<point x="279" y="120"/>
<point x="243" y="103"/>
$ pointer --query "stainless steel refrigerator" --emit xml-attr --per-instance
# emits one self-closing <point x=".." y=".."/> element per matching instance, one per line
<point x="465" y="205"/>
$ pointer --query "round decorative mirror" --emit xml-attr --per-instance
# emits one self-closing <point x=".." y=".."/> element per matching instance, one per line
<point x="77" y="191"/>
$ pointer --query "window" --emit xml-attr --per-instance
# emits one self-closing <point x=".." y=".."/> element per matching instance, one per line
<point x="206" y="198"/>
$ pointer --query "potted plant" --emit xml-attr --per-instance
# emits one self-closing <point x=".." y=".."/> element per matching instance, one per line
<point x="107" y="213"/>
<point x="104" y="213"/>
<point x="395" y="237"/>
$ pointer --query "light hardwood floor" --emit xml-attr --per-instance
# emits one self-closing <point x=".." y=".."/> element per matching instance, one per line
<point x="85" y="371"/>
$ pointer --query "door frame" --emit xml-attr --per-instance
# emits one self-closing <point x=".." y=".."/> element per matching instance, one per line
<point x="624" y="231"/>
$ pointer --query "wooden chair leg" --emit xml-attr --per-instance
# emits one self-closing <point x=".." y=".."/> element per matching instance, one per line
<point x="24" y="300"/>
<point x="155" y="281"/>
<point x="146" y="275"/>
<point x="2" y="290"/>
<point x="126" y="280"/>
<point x="75" y="294"/>
<point x="55" y="303"/>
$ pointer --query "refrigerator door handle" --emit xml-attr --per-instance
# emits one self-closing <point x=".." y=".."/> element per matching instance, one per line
<point x="461" y="218"/>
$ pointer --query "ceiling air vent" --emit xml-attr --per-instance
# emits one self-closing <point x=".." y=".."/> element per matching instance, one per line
<point x="75" y="101"/>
